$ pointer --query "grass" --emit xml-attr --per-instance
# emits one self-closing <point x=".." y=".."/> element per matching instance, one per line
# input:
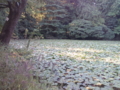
<point x="98" y="53"/>
<point x="16" y="71"/>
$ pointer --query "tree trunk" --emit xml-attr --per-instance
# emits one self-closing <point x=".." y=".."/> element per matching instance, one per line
<point x="15" y="11"/>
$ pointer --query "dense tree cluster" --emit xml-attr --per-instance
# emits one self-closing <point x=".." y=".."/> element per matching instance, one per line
<point x="70" y="19"/>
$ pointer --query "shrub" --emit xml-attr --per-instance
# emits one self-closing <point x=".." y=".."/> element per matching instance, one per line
<point x="83" y="29"/>
<point x="16" y="72"/>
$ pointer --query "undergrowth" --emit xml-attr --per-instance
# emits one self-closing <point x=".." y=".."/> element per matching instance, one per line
<point x="16" y="71"/>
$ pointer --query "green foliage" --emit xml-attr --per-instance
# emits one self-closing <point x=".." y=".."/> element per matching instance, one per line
<point x="3" y="16"/>
<point x="114" y="9"/>
<point x="36" y="34"/>
<point x="92" y="13"/>
<point x="52" y="25"/>
<point x="89" y="11"/>
<point x="83" y="29"/>
<point x="51" y="19"/>
<point x="27" y="22"/>
<point x="117" y="30"/>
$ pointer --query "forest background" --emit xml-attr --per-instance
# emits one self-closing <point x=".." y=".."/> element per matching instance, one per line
<point x="60" y="19"/>
<point x="68" y="19"/>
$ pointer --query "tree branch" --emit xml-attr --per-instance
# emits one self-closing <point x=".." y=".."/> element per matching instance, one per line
<point x="2" y="5"/>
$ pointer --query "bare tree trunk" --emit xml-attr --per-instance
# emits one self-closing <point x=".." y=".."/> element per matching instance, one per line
<point x="15" y="11"/>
